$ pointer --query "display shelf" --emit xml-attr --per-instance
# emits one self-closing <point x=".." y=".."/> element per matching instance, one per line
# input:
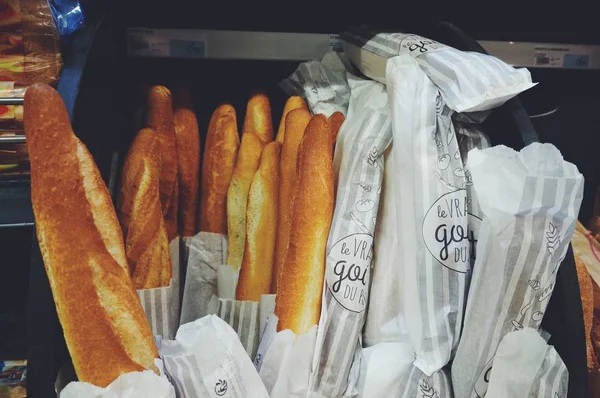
<point x="246" y="45"/>
<point x="15" y="205"/>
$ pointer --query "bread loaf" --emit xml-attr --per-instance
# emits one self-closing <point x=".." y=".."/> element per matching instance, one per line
<point x="298" y="302"/>
<point x="258" y="118"/>
<point x="594" y="224"/>
<point x="261" y="227"/>
<point x="103" y="322"/>
<point x="220" y="152"/>
<point x="237" y="197"/>
<point x="144" y="231"/>
<point x="295" y="125"/>
<point x="160" y="118"/>
<point x="292" y="103"/>
<point x="336" y="120"/>
<point x="188" y="170"/>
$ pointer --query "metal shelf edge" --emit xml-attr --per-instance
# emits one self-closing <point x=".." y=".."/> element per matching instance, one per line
<point x="244" y="45"/>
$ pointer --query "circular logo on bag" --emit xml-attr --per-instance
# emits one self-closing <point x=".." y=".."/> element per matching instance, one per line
<point x="221" y="388"/>
<point x="348" y="271"/>
<point x="445" y="231"/>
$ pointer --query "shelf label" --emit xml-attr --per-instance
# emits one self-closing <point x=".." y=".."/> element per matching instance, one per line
<point x="560" y="57"/>
<point x="144" y="43"/>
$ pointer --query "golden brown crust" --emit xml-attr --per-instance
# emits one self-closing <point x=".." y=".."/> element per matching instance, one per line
<point x="258" y="118"/>
<point x="587" y="301"/>
<point x="160" y="118"/>
<point x="261" y="227"/>
<point x="295" y="125"/>
<point x="237" y="197"/>
<point x="102" y="319"/>
<point x="292" y="103"/>
<point x="188" y="152"/>
<point x="298" y="302"/>
<point x="220" y="152"/>
<point x="336" y="120"/>
<point x="146" y="241"/>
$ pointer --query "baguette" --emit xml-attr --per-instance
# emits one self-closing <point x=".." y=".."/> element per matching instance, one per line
<point x="144" y="231"/>
<point x="103" y="322"/>
<point x="594" y="225"/>
<point x="258" y="118"/>
<point x="188" y="171"/>
<point x="298" y="301"/>
<point x="220" y="151"/>
<point x="237" y="197"/>
<point x="292" y="103"/>
<point x="261" y="226"/>
<point x="160" y="119"/>
<point x="295" y="125"/>
<point x="336" y="120"/>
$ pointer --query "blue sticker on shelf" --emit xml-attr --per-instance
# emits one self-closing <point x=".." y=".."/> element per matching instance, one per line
<point x="187" y="49"/>
<point x="579" y="61"/>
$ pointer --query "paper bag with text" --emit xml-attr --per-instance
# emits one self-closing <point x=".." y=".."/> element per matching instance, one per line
<point x="530" y="201"/>
<point x="363" y="139"/>
<point x="206" y="252"/>
<point x="162" y="305"/>
<point x="431" y="212"/>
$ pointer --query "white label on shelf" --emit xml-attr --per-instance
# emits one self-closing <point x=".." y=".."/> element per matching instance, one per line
<point x="145" y="43"/>
<point x="561" y="57"/>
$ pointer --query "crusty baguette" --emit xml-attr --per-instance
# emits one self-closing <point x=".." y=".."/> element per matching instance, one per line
<point x="298" y="302"/>
<point x="295" y="125"/>
<point x="258" y="118"/>
<point x="237" y="197"/>
<point x="160" y="117"/>
<point x="261" y="227"/>
<point x="336" y="120"/>
<point x="188" y="172"/>
<point x="103" y="322"/>
<point x="587" y="303"/>
<point x="292" y="103"/>
<point x="146" y="241"/>
<point x="220" y="152"/>
<point x="594" y="224"/>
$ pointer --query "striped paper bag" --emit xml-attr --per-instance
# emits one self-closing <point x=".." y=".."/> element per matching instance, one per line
<point x="363" y="139"/>
<point x="467" y="81"/>
<point x="530" y="201"/>
<point x="525" y="366"/>
<point x="162" y="305"/>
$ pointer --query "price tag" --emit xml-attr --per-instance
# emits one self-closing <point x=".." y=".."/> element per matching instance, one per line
<point x="561" y="57"/>
<point x="145" y="43"/>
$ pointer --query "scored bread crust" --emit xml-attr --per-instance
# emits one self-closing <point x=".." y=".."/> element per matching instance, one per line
<point x="103" y="322"/>
<point x="188" y="172"/>
<point x="160" y="118"/>
<point x="298" y="301"/>
<point x="146" y="241"/>
<point x="292" y="103"/>
<point x="258" y="118"/>
<point x="295" y="125"/>
<point x="220" y="152"/>
<point x="237" y="197"/>
<point x="261" y="226"/>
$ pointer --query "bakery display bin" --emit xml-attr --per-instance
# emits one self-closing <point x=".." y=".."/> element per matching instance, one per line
<point x="228" y="60"/>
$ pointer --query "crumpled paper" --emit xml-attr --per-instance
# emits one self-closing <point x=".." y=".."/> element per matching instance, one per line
<point x="207" y="360"/>
<point x="206" y="252"/>
<point x="525" y="366"/>
<point x="530" y="201"/>
<point x="128" y="385"/>
<point x="161" y="305"/>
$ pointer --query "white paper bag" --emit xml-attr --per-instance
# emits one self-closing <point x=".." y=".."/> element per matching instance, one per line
<point x="525" y="366"/>
<point x="285" y="360"/>
<point x="206" y="360"/>
<point x="430" y="199"/>
<point x="361" y="143"/>
<point x="322" y="84"/>
<point x="206" y="252"/>
<point x="467" y="81"/>
<point x="530" y="201"/>
<point x="127" y="385"/>
<point x="162" y="305"/>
